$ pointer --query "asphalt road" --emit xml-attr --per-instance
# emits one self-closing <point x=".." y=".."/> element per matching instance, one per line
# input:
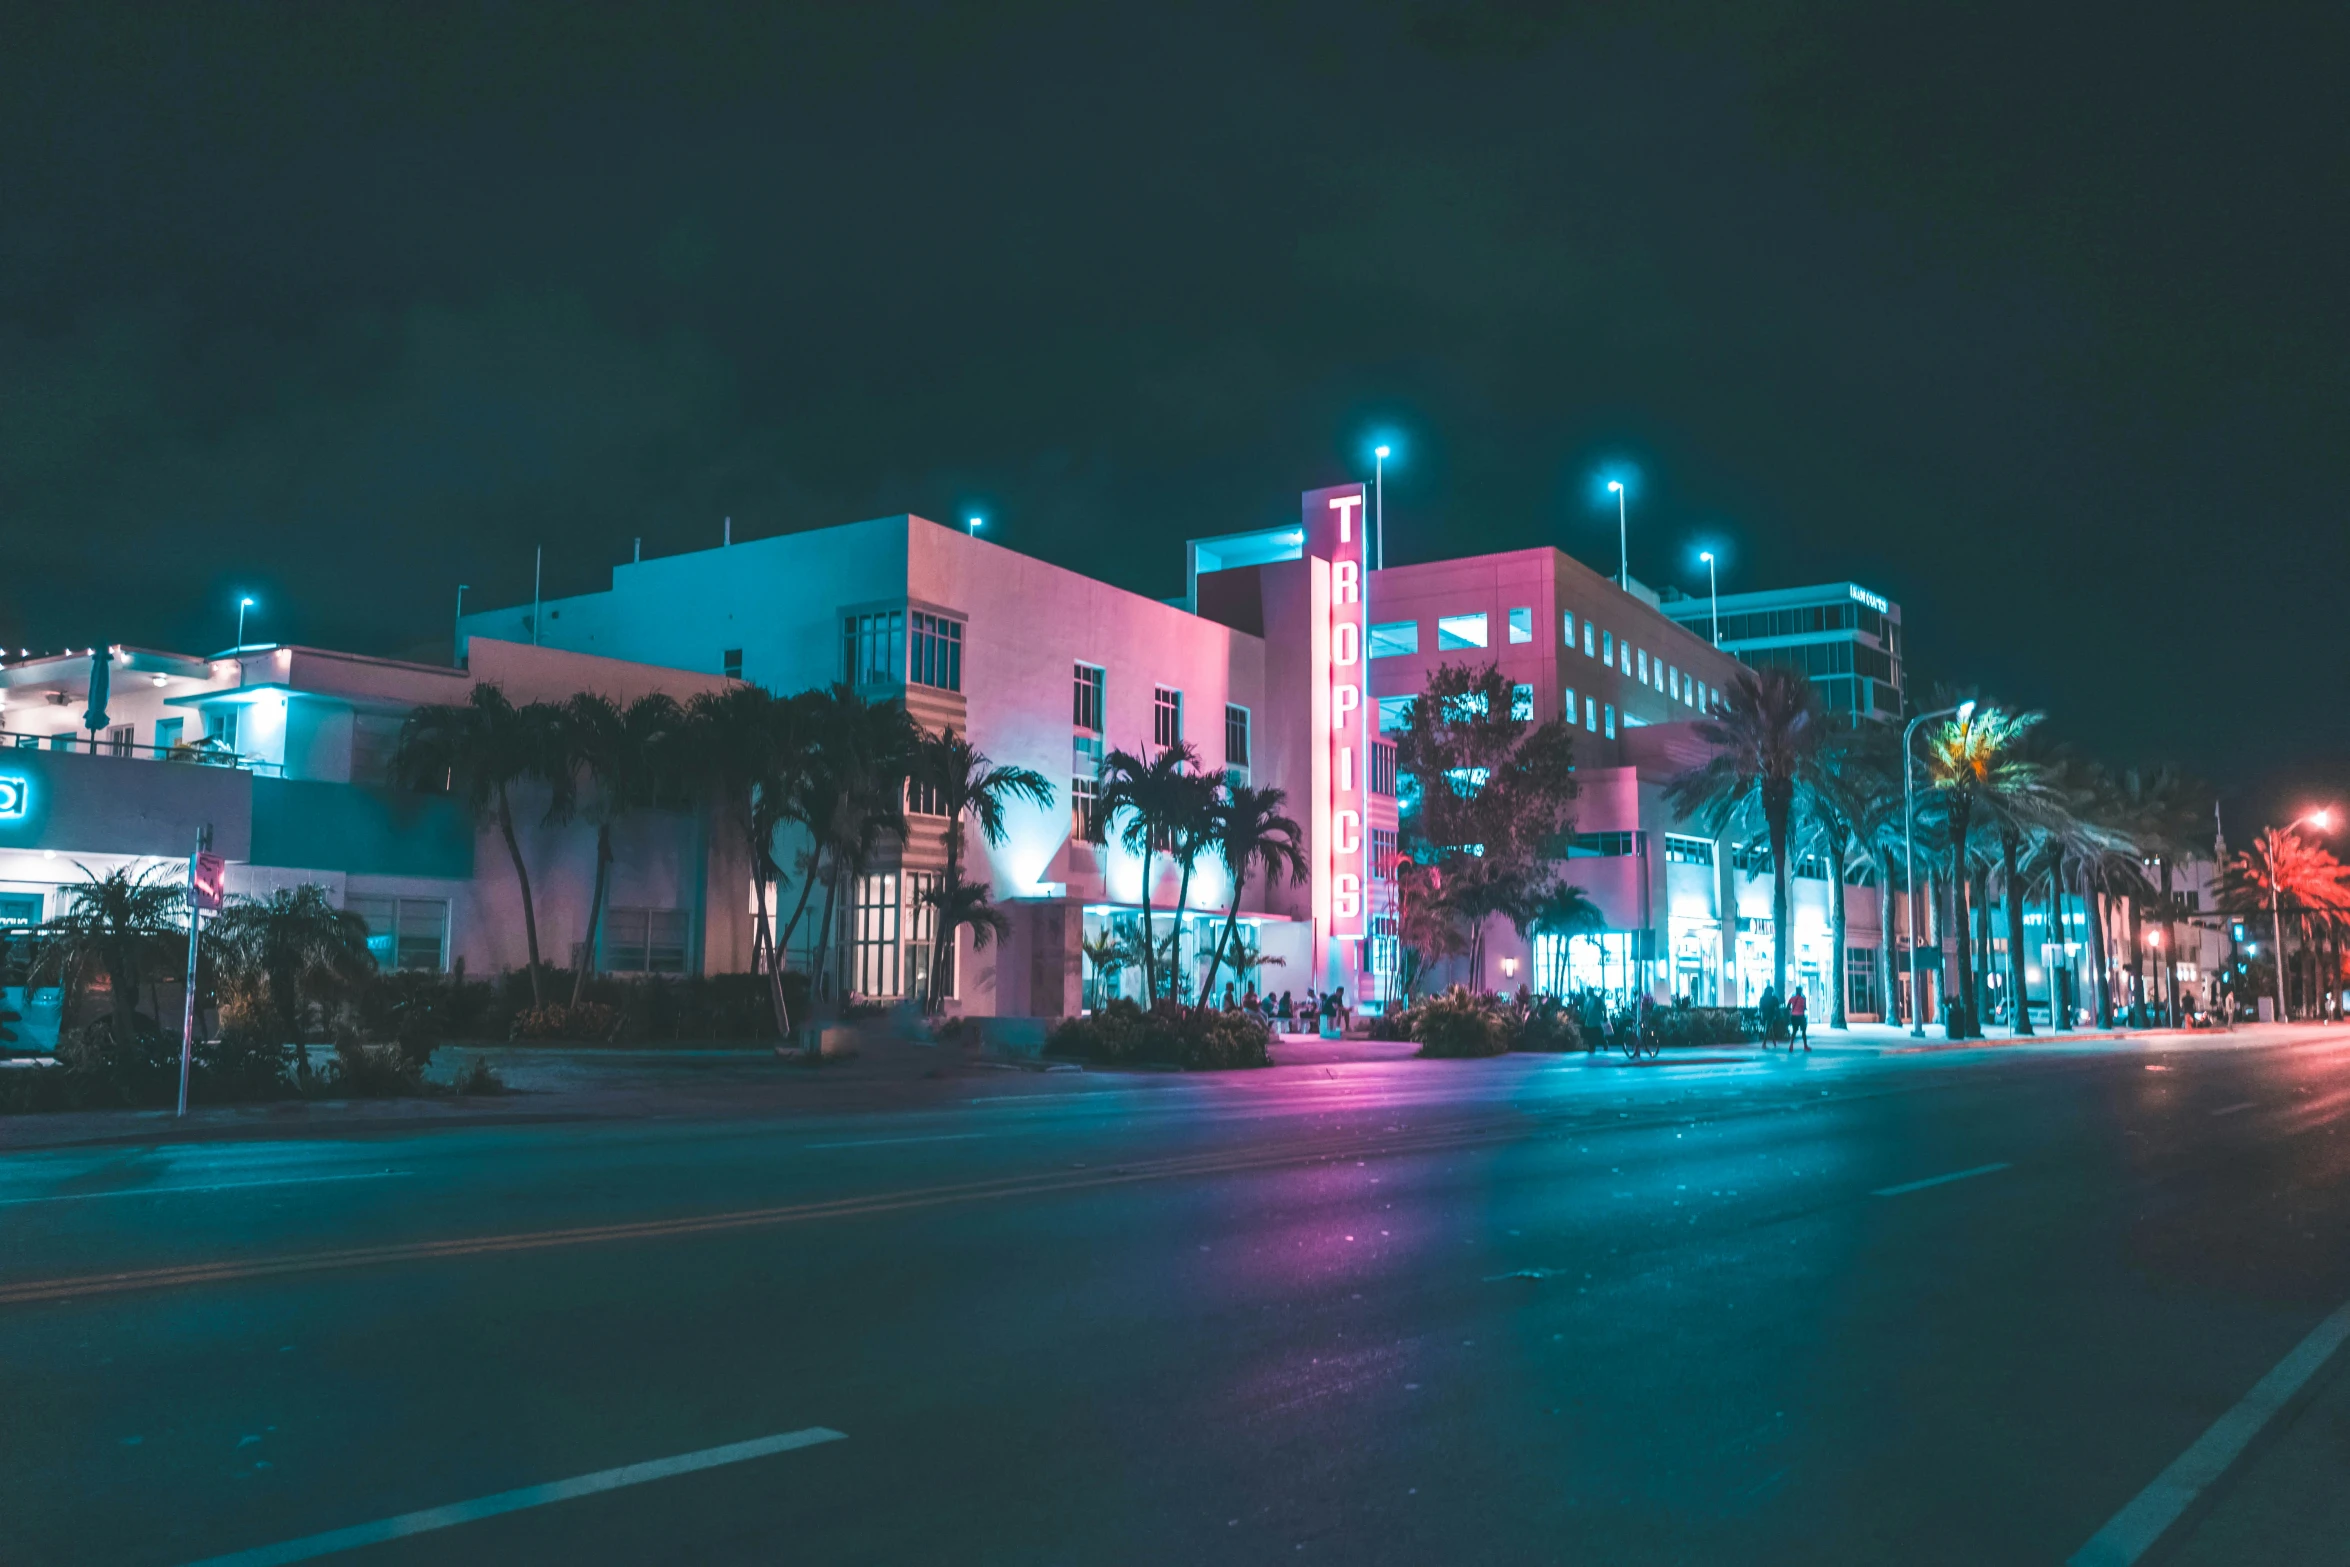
<point x="1526" y="1310"/>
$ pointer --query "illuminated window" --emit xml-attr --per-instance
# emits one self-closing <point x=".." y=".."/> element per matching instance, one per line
<point x="406" y="933"/>
<point x="1625" y="651"/>
<point x="1591" y="714"/>
<point x="1607" y="647"/>
<point x="1568" y="621"/>
<point x="1569" y="706"/>
<point x="871" y="937"/>
<point x="1608" y="714"/>
<point x="1587" y="639"/>
<point x="1643" y="657"/>
<point x="1522" y="703"/>
<point x="1395" y="637"/>
<point x="1680" y="850"/>
<point x="1460" y="631"/>
<point x="1395" y="714"/>
<point x="1521" y="625"/>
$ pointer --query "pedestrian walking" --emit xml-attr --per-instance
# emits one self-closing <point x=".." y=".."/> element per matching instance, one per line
<point x="1798" y="1020"/>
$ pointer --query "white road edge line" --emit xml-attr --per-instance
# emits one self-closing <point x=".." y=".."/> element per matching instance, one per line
<point x="1938" y="1180"/>
<point x="217" y="1186"/>
<point x="880" y="1142"/>
<point x="2232" y="1109"/>
<point x="312" y="1546"/>
<point x="2137" y="1528"/>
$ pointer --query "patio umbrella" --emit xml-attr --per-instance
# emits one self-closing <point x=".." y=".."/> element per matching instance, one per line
<point x="101" y="686"/>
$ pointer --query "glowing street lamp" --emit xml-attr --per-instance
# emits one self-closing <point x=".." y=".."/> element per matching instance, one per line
<point x="974" y="526"/>
<point x="1379" y="455"/>
<point x="1623" y="539"/>
<point x="243" y="605"/>
<point x="1713" y="592"/>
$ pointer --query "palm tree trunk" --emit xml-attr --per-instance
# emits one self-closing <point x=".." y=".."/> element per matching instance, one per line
<point x="1175" y="985"/>
<point x="2012" y="888"/>
<point x="530" y="915"/>
<point x="1150" y="936"/>
<point x="2059" y="994"/>
<point x="2137" y="965"/>
<point x="1223" y="941"/>
<point x="1887" y="1009"/>
<point x="1775" y="814"/>
<point x="1981" y="893"/>
<point x="1836" y="959"/>
<point x="2098" y="966"/>
<point x="587" y="952"/>
<point x="1966" y="1022"/>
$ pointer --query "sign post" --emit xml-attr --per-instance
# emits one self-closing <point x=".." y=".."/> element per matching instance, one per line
<point x="206" y="874"/>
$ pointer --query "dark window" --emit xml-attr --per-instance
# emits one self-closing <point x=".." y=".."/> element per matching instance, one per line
<point x="1085" y="809"/>
<point x="731" y="661"/>
<point x="1235" y="736"/>
<point x="1087" y="707"/>
<point x="1604" y="845"/>
<point x="873" y="648"/>
<point x="1166" y="717"/>
<point x="1382" y="854"/>
<point x="1382" y="767"/>
<point x="938" y="652"/>
<point x="1688" y="851"/>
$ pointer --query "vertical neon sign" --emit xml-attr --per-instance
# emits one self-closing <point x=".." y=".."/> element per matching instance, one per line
<point x="1335" y="522"/>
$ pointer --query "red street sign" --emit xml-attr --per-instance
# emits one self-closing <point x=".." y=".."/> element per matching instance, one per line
<point x="211" y="881"/>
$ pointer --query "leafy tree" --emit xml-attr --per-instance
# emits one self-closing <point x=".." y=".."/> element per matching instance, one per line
<point x="1250" y="832"/>
<point x="1765" y="735"/>
<point x="853" y="792"/>
<point x="1565" y="912"/>
<point x="963" y="783"/>
<point x="2282" y="872"/>
<point x="958" y="906"/>
<point x="291" y="945"/>
<point x="1846" y="787"/>
<point x="1110" y="957"/>
<point x="482" y="747"/>
<point x="753" y="749"/>
<point x="1491" y="797"/>
<point x="1428" y="930"/>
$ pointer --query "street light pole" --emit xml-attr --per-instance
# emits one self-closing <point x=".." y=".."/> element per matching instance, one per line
<point x="457" y="632"/>
<point x="1623" y="539"/>
<point x="1379" y="506"/>
<point x="1713" y="593"/>
<point x="243" y="604"/>
<point x="1909" y="862"/>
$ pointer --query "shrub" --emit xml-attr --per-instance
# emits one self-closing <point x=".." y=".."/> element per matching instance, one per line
<point x="1709" y="1025"/>
<point x="374" y="1071"/>
<point x="1122" y="1034"/>
<point x="1545" y="1024"/>
<point x="1460" y="1023"/>
<point x="1395" y="1022"/>
<point x="478" y="1079"/>
<point x="591" y="1022"/>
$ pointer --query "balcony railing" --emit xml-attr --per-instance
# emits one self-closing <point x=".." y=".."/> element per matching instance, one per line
<point x="201" y="753"/>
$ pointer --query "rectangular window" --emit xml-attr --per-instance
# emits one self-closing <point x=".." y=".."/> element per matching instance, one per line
<point x="1591" y="714"/>
<point x="922" y="935"/>
<point x="19" y="909"/>
<point x="1680" y="850"/>
<point x="1382" y="854"/>
<point x="1522" y="703"/>
<point x="405" y="933"/>
<point x="642" y="941"/>
<point x="220" y="727"/>
<point x="1567" y="624"/>
<point x="1166" y="717"/>
<point x="1521" y="625"/>
<point x="1460" y="631"/>
<point x="1587" y="639"/>
<point x="167" y="732"/>
<point x="730" y="663"/>
<point x="1235" y="736"/>
<point x="1604" y="845"/>
<point x="1395" y="637"/>
<point x="1673" y="682"/>
<point x="1607" y="647"/>
<point x="1642" y="654"/>
<point x="1087" y="702"/>
<point x="1609" y="714"/>
<point x="1570" y="709"/>
<point x="1085" y="808"/>
<point x="1395" y="714"/>
<point x="1860" y="979"/>
<point x="872" y="937"/>
<point x="873" y="648"/>
<point x="1624" y="656"/>
<point x="938" y="652"/>
<point x="923" y="798"/>
<point x="1382" y="768"/>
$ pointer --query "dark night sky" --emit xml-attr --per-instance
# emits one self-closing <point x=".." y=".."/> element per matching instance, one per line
<point x="2035" y="322"/>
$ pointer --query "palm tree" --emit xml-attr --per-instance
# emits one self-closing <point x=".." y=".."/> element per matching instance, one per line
<point x="753" y="748"/>
<point x="1764" y="736"/>
<point x="1249" y="831"/>
<point x="483" y="746"/>
<point x="1566" y="911"/>
<point x="1972" y="758"/>
<point x="1110" y="957"/>
<point x="623" y="760"/>
<point x="1144" y="803"/>
<point x="1845" y="787"/>
<point x="289" y="941"/>
<point x="118" y="924"/>
<point x="853" y="795"/>
<point x="963" y="782"/>
<point x="2282" y="870"/>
